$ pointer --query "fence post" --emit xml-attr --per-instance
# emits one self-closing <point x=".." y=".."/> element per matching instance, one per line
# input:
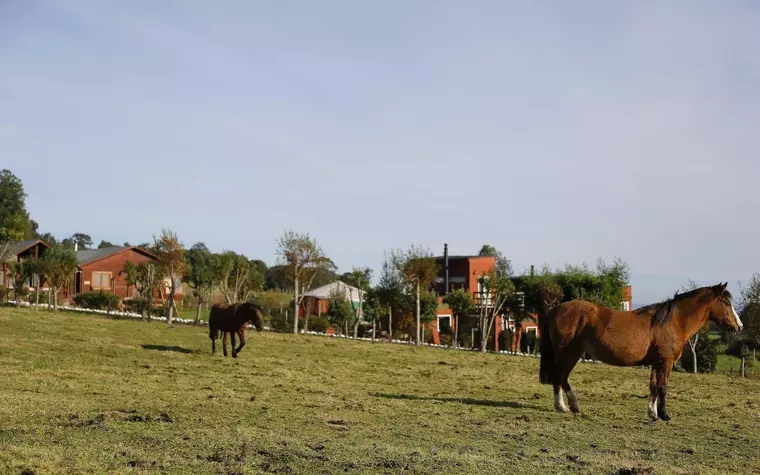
<point x="744" y="369"/>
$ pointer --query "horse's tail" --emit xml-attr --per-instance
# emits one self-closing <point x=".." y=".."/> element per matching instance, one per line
<point x="213" y="331"/>
<point x="547" y="365"/>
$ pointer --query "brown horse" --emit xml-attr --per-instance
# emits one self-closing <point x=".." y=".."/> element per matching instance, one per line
<point x="652" y="335"/>
<point x="232" y="319"/>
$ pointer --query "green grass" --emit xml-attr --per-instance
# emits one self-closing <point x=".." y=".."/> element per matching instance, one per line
<point x="84" y="394"/>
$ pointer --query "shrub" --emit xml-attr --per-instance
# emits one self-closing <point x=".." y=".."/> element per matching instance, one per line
<point x="278" y="322"/>
<point x="445" y="339"/>
<point x="707" y="354"/>
<point x="528" y="340"/>
<point x="737" y="344"/>
<point x="136" y="305"/>
<point x="98" y="300"/>
<point x="43" y="297"/>
<point x="318" y="324"/>
<point x="505" y="340"/>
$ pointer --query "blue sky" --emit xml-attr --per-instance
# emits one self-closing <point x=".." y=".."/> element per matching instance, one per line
<point x="555" y="131"/>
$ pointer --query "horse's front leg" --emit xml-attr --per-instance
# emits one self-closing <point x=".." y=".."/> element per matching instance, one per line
<point x="234" y="351"/>
<point x="663" y="375"/>
<point x="241" y="334"/>
<point x="224" y="343"/>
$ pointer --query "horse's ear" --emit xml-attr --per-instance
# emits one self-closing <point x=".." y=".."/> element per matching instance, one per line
<point x="720" y="288"/>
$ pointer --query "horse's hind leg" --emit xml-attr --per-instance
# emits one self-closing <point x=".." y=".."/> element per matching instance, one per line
<point x="234" y="351"/>
<point x="224" y="343"/>
<point x="570" y="358"/>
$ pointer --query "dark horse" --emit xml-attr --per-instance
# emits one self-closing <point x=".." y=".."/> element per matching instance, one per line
<point x="652" y="335"/>
<point x="232" y="319"/>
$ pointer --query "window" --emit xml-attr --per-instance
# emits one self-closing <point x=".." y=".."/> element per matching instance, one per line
<point x="101" y="280"/>
<point x="626" y="306"/>
<point x="444" y="322"/>
<point x="485" y="294"/>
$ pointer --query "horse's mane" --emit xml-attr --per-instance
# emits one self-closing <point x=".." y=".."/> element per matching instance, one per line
<point x="662" y="312"/>
<point x="253" y="304"/>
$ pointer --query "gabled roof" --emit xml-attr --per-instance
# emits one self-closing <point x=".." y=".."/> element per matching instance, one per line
<point x="323" y="293"/>
<point x="22" y="246"/>
<point x="88" y="256"/>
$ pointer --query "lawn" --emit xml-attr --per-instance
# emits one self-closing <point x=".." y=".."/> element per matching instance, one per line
<point x="85" y="394"/>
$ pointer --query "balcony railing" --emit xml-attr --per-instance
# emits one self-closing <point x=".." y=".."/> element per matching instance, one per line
<point x="482" y="299"/>
<point x="486" y="299"/>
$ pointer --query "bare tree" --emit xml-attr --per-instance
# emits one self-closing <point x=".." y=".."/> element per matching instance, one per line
<point x="170" y="253"/>
<point x="496" y="290"/>
<point x="358" y="278"/>
<point x="418" y="268"/>
<point x="691" y="285"/>
<point x="301" y="254"/>
<point x="237" y="276"/>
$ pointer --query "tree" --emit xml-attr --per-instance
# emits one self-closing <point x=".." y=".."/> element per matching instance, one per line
<point x="146" y="277"/>
<point x="461" y="304"/>
<point x="36" y="269"/>
<point x="58" y="264"/>
<point x="237" y="277"/>
<point x="22" y="272"/>
<point x="82" y="241"/>
<point x="503" y="265"/>
<point x="373" y="309"/>
<point x="278" y="278"/>
<point x="32" y="229"/>
<point x="339" y="309"/>
<point x="14" y="219"/>
<point x="170" y="254"/>
<point x="48" y="239"/>
<point x="199" y="275"/>
<point x="320" y="275"/>
<point x="104" y="244"/>
<point x="496" y="290"/>
<point x="390" y="290"/>
<point x="692" y="342"/>
<point x="604" y="286"/>
<point x="418" y="268"/>
<point x="749" y="309"/>
<point x="359" y="278"/>
<point x="303" y="258"/>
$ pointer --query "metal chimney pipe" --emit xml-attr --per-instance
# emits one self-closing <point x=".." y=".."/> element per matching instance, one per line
<point x="76" y="247"/>
<point x="446" y="268"/>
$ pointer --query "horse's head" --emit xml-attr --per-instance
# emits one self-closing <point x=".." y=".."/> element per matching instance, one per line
<point x="255" y="314"/>
<point x="722" y="309"/>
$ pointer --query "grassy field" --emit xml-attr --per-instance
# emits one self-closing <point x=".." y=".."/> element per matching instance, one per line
<point x="83" y="394"/>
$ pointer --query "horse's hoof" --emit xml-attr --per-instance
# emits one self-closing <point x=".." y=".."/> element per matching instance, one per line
<point x="575" y="410"/>
<point x="234" y="355"/>
<point x="665" y="417"/>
